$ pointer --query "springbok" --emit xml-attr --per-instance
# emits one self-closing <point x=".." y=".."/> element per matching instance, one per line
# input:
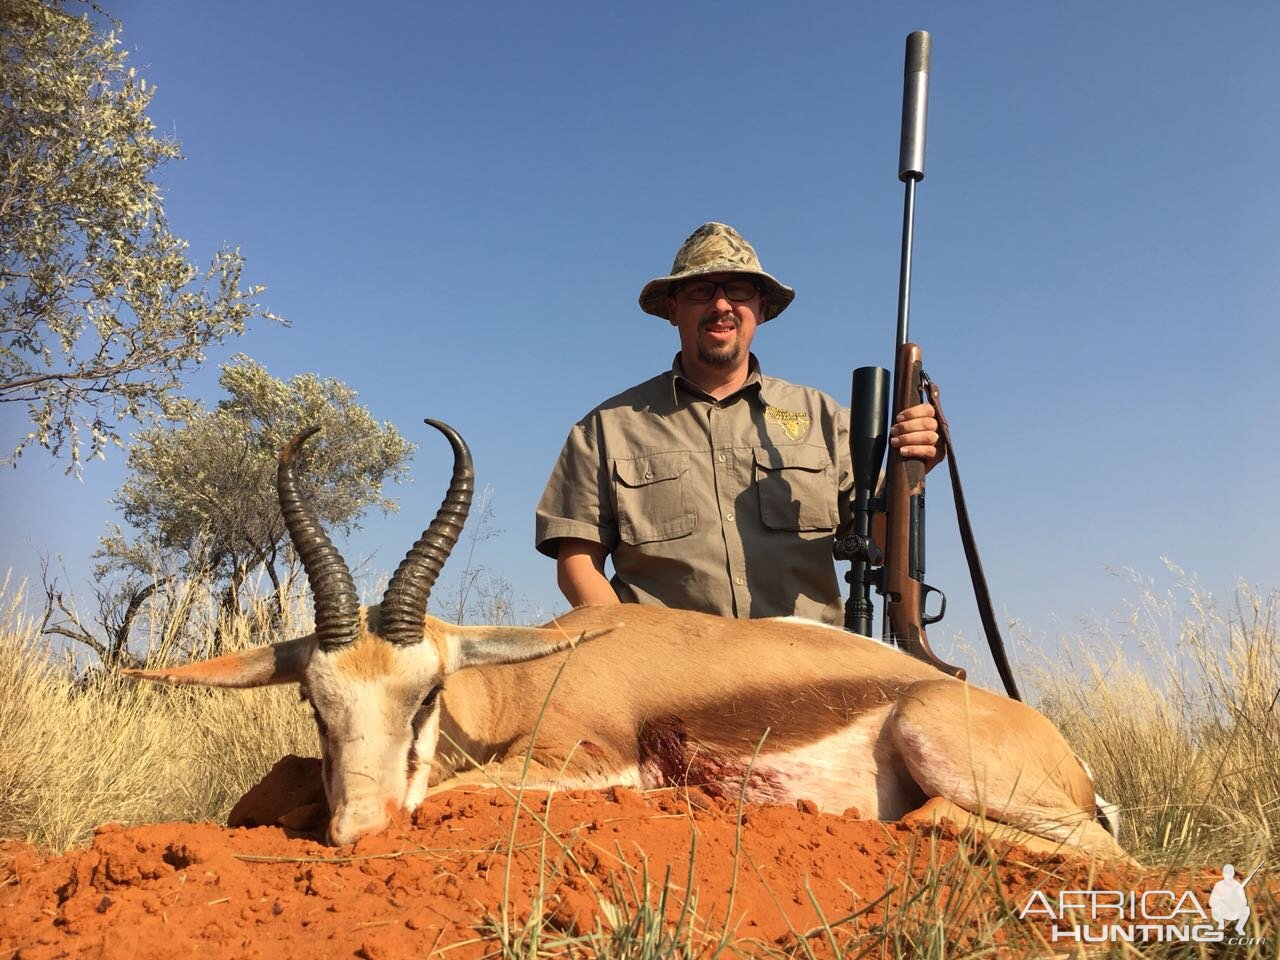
<point x="781" y="709"/>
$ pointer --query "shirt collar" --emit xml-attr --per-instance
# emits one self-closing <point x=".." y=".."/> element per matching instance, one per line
<point x="754" y="384"/>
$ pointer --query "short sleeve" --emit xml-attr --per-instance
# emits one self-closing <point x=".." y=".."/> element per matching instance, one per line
<point x="577" y="501"/>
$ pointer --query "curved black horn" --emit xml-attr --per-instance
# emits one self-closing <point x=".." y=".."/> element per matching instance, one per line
<point x="405" y="602"/>
<point x="337" y="606"/>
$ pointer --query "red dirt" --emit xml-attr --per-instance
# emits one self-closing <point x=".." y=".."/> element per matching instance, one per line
<point x="438" y="880"/>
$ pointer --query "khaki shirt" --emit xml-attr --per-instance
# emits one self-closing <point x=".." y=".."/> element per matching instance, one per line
<point x="726" y="506"/>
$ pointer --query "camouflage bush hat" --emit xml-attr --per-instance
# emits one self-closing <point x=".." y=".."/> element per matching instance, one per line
<point x="715" y="248"/>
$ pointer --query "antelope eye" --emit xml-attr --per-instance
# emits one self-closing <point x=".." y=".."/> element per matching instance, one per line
<point x="423" y="712"/>
<point x="429" y="700"/>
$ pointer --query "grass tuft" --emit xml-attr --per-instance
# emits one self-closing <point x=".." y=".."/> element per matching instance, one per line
<point x="79" y="749"/>
<point x="1176" y="713"/>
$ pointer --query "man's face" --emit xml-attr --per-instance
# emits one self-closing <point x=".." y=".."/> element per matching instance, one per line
<point x="716" y="333"/>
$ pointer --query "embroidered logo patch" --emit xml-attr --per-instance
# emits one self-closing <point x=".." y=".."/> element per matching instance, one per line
<point x="794" y="425"/>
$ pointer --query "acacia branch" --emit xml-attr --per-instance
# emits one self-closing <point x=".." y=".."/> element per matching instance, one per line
<point x="70" y="627"/>
<point x="119" y="649"/>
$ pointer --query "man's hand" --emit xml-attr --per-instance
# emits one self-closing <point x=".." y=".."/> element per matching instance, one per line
<point x="914" y="435"/>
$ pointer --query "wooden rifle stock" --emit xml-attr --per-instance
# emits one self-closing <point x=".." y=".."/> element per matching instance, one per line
<point x="903" y="585"/>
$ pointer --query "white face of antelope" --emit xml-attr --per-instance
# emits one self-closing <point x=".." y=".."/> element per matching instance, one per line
<point x="377" y="712"/>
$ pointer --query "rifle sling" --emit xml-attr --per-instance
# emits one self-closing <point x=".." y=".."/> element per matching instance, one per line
<point x="980" y="592"/>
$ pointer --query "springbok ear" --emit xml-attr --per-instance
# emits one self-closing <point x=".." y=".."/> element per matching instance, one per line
<point x="282" y="662"/>
<point x="478" y="646"/>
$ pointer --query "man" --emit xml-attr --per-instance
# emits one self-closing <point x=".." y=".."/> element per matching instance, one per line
<point x="712" y="486"/>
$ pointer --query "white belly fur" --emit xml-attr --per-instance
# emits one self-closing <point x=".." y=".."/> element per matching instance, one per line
<point x="856" y="766"/>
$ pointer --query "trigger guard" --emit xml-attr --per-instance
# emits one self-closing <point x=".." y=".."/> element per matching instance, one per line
<point x="925" y="590"/>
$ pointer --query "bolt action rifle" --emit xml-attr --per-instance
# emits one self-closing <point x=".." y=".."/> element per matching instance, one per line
<point x="897" y="572"/>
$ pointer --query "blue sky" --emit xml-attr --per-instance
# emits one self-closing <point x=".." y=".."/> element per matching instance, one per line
<point x="457" y="205"/>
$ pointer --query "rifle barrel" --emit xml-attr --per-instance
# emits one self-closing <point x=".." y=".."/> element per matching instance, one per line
<point x="904" y="269"/>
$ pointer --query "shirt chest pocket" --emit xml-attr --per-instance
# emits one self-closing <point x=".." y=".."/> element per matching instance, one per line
<point x="797" y="487"/>
<point x="653" y="497"/>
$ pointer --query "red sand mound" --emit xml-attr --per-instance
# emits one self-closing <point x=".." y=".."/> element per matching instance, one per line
<point x="178" y="889"/>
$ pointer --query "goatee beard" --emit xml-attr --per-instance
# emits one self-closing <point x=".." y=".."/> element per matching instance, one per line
<point x="725" y="356"/>
<point x="721" y="355"/>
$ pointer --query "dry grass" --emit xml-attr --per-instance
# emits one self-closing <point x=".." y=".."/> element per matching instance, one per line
<point x="1176" y="712"/>
<point x="80" y="749"/>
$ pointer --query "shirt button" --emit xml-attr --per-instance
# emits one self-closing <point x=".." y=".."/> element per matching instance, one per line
<point x="648" y="476"/>
<point x="729" y="516"/>
<point x="721" y="458"/>
<point x="738" y="581"/>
